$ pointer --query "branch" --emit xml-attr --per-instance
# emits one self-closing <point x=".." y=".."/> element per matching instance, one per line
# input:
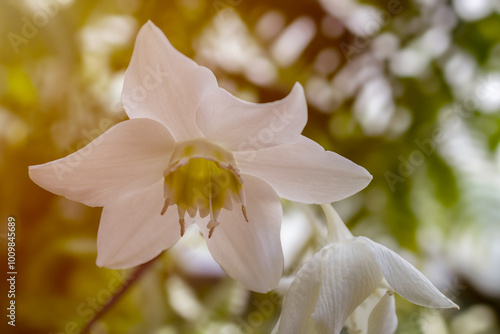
<point x="112" y="301"/>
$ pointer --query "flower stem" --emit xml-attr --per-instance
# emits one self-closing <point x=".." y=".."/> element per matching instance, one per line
<point x="139" y="271"/>
<point x="337" y="231"/>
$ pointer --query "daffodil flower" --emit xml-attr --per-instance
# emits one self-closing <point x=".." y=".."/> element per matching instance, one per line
<point x="351" y="282"/>
<point x="192" y="149"/>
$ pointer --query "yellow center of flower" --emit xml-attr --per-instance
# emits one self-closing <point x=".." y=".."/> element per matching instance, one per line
<point x="202" y="178"/>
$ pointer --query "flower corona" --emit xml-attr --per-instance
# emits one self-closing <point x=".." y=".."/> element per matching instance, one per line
<point x="202" y="178"/>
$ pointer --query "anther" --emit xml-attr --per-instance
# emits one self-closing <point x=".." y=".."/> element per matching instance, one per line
<point x="183" y="226"/>
<point x="244" y="210"/>
<point x="165" y="206"/>
<point x="211" y="232"/>
<point x="212" y="224"/>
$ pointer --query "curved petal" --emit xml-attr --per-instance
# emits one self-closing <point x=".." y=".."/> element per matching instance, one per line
<point x="383" y="318"/>
<point x="358" y="320"/>
<point x="305" y="172"/>
<point x="129" y="156"/>
<point x="132" y="231"/>
<point x="405" y="279"/>
<point x="300" y="300"/>
<point x="348" y="277"/>
<point x="164" y="85"/>
<point x="243" y="126"/>
<point x="250" y="252"/>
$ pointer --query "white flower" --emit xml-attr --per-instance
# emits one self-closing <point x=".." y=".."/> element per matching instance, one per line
<point x="353" y="279"/>
<point x="191" y="147"/>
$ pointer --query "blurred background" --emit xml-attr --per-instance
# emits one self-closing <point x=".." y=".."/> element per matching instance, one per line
<point x="410" y="90"/>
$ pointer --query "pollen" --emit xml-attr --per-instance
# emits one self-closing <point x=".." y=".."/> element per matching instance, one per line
<point x="202" y="178"/>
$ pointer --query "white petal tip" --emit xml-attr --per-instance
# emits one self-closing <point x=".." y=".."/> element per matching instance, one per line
<point x="150" y="24"/>
<point x="447" y="303"/>
<point x="263" y="290"/>
<point x="100" y="263"/>
<point x="111" y="265"/>
<point x="150" y="28"/>
<point x="111" y="262"/>
<point x="298" y="86"/>
<point x="30" y="172"/>
<point x="44" y="177"/>
<point x="365" y="175"/>
<point x="363" y="178"/>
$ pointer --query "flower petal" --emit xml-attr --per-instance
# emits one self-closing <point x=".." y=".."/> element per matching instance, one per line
<point x="383" y="318"/>
<point x="132" y="231"/>
<point x="405" y="279"/>
<point x="305" y="172"/>
<point x="358" y="320"/>
<point x="164" y="85"/>
<point x="250" y="252"/>
<point x="242" y="126"/>
<point x="348" y="276"/>
<point x="300" y="300"/>
<point x="129" y="156"/>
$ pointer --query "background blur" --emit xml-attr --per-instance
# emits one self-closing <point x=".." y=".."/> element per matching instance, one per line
<point x="408" y="89"/>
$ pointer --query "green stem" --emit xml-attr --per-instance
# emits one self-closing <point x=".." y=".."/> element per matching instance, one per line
<point x="139" y="271"/>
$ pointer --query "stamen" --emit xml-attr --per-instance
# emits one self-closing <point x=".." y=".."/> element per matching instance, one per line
<point x="165" y="206"/>
<point x="182" y="222"/>
<point x="212" y="224"/>
<point x="244" y="210"/>
<point x="241" y="195"/>
<point x="213" y="220"/>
